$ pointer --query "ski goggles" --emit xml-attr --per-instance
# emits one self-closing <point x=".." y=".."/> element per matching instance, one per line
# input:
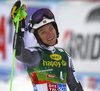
<point x="37" y="17"/>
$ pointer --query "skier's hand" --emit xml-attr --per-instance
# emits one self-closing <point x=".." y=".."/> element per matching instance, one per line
<point x="23" y="14"/>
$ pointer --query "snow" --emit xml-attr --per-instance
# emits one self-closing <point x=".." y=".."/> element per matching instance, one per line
<point x="20" y="83"/>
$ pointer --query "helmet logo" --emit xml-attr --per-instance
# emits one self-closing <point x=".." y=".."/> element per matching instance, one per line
<point x="44" y="21"/>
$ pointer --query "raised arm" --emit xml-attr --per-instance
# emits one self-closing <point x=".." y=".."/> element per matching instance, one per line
<point x="31" y="58"/>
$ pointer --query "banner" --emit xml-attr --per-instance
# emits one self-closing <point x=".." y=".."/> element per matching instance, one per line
<point x="80" y="35"/>
<point x="6" y="34"/>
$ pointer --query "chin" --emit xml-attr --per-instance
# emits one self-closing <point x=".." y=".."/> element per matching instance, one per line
<point x="51" y="44"/>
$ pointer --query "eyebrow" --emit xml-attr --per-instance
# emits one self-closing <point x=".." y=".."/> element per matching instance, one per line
<point x="40" y="31"/>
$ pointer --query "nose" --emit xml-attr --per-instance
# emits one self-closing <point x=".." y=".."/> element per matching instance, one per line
<point x="49" y="34"/>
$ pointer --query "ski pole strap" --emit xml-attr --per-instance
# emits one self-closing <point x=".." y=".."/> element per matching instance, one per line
<point x="21" y="14"/>
<point x="18" y="15"/>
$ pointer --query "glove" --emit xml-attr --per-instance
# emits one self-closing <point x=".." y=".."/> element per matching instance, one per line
<point x="15" y="9"/>
<point x="22" y="16"/>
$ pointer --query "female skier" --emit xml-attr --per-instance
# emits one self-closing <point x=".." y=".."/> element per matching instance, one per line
<point x="50" y="68"/>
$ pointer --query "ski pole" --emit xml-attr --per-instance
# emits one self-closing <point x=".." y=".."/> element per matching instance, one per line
<point x="21" y="14"/>
<point x="16" y="20"/>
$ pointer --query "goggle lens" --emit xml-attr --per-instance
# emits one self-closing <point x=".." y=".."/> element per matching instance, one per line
<point x="38" y="16"/>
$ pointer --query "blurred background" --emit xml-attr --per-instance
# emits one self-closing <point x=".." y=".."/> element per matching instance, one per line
<point x="79" y="26"/>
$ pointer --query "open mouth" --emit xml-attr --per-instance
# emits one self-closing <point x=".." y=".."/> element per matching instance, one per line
<point x="50" y="39"/>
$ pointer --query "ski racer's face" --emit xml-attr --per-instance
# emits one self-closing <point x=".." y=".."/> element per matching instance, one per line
<point x="48" y="34"/>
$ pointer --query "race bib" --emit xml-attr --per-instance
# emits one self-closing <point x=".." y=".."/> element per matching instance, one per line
<point x="50" y="87"/>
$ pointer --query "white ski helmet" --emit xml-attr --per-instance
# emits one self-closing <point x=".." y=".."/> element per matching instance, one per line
<point x="40" y="18"/>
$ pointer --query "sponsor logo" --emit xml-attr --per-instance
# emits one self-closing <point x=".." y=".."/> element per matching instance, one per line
<point x="5" y="74"/>
<point x="51" y="76"/>
<point x="35" y="88"/>
<point x="62" y="87"/>
<point x="54" y="63"/>
<point x="52" y="86"/>
<point x="85" y="47"/>
<point x="2" y="38"/>
<point x="47" y="70"/>
<point x="56" y="57"/>
<point x="44" y="21"/>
